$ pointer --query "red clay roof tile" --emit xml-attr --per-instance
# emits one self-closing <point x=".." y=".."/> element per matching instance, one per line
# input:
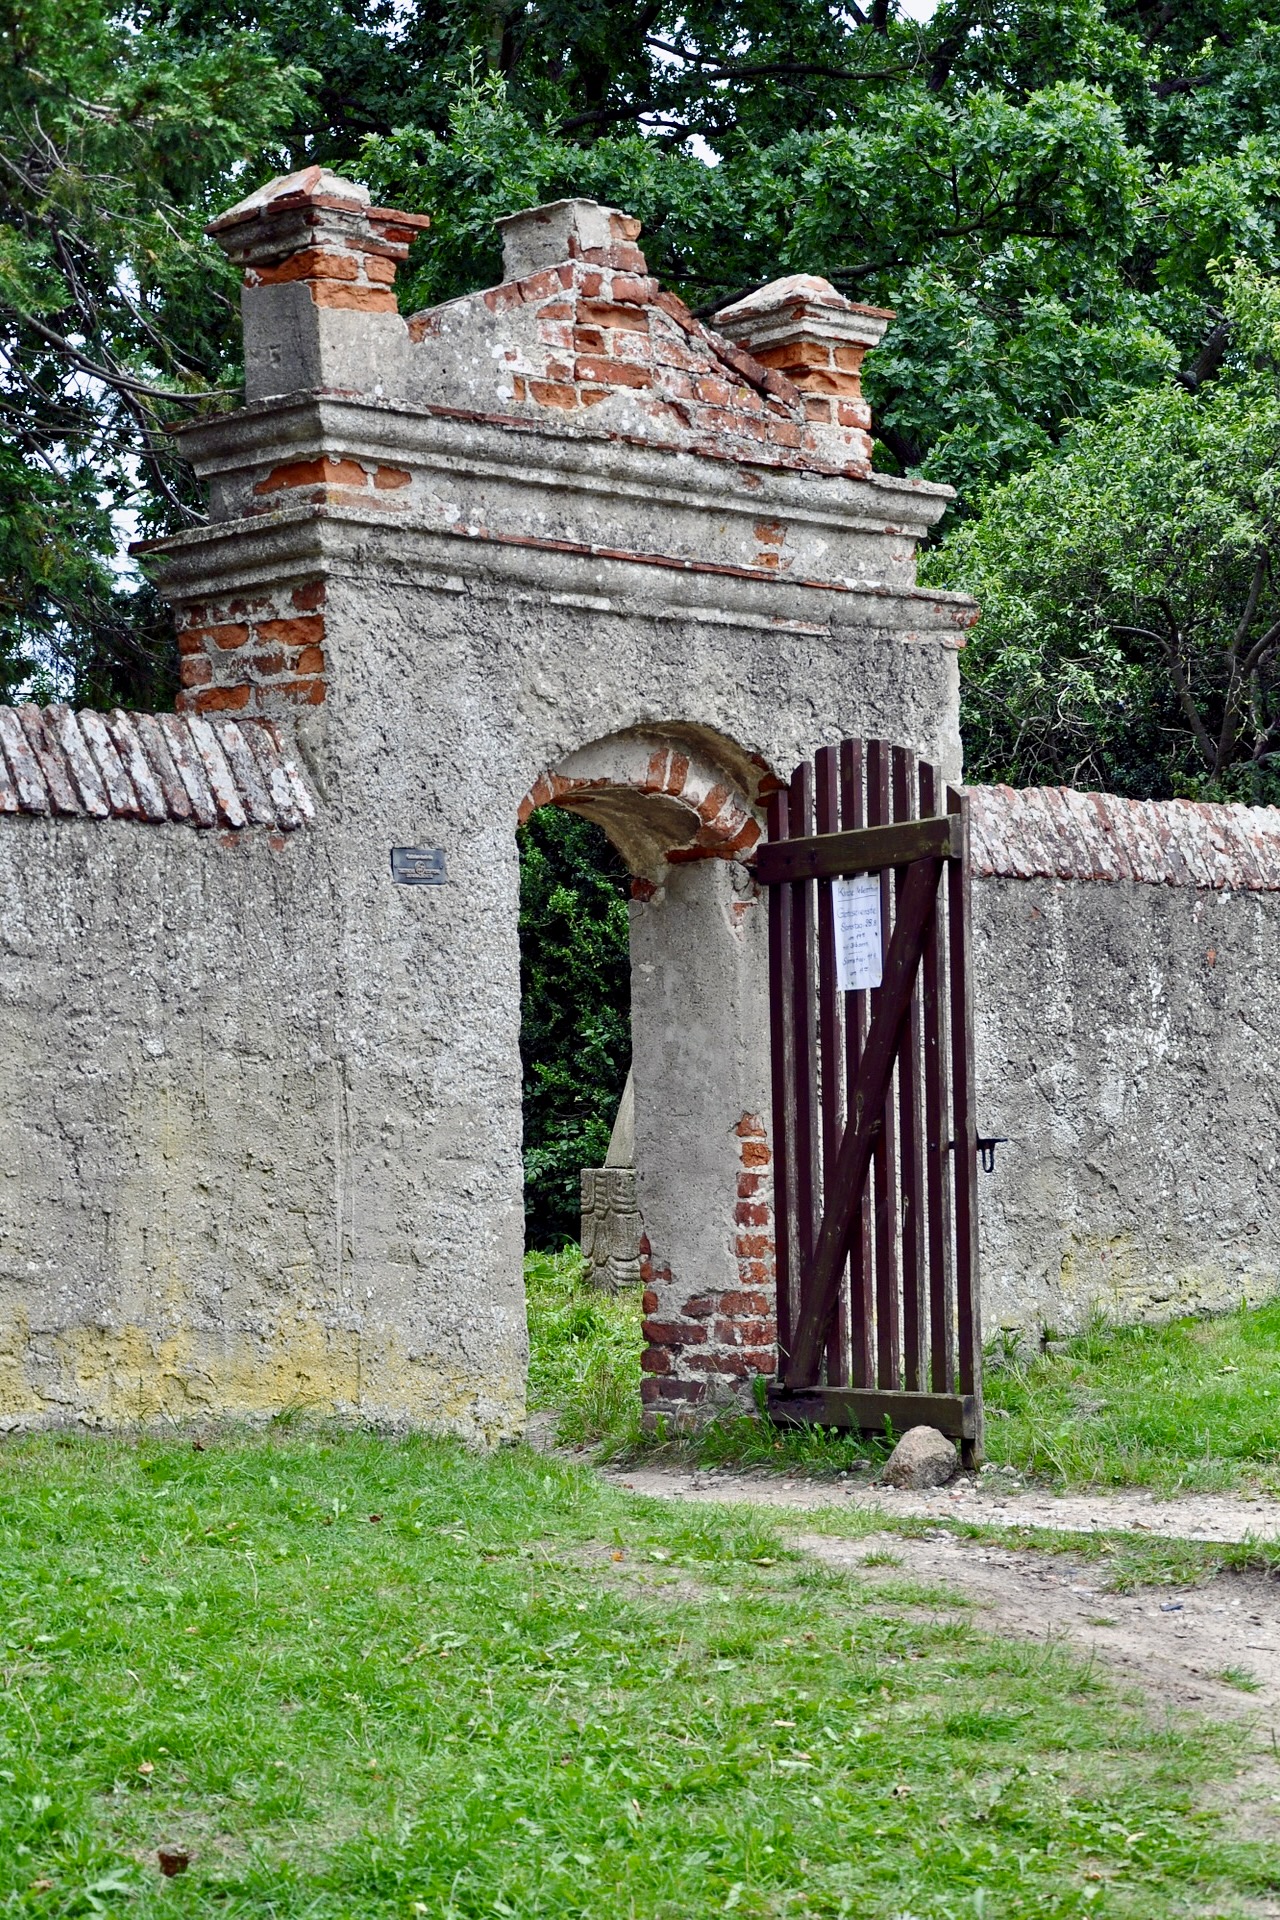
<point x="162" y="768"/>
<point x="1055" y="833"/>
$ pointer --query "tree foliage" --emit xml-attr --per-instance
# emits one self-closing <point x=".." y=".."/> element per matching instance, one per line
<point x="1130" y="636"/>
<point x="575" y="1036"/>
<point x="1043" y="190"/>
<point x="1009" y="178"/>
<point x="1039" y="187"/>
<point x="117" y="138"/>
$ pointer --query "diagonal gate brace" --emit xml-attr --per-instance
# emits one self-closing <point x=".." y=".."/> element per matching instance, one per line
<point x="866" y="1117"/>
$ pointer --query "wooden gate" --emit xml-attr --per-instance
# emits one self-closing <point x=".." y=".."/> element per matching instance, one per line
<point x="875" y="1142"/>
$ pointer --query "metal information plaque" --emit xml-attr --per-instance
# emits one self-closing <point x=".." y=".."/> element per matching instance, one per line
<point x="418" y="866"/>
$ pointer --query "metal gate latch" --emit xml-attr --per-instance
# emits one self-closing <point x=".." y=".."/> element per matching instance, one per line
<point x="986" y="1144"/>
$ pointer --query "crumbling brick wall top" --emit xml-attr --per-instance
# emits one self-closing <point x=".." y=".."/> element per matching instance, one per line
<point x="581" y="332"/>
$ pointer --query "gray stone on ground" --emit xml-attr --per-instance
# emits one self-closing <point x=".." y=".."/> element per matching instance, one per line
<point x="922" y="1458"/>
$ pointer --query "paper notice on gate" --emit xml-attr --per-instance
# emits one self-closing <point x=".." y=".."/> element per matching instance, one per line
<point x="855" y="904"/>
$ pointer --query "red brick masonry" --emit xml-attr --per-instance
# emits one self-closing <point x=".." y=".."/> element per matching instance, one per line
<point x="320" y="231"/>
<point x="726" y="829"/>
<point x="259" y="655"/>
<point x="729" y="1336"/>
<point x="603" y="331"/>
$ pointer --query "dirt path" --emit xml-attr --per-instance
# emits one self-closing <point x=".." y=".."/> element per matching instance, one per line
<point x="1175" y="1643"/>
<point x="988" y="1498"/>
<point x="1213" y="1648"/>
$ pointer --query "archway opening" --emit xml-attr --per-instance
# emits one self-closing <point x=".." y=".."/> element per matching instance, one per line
<point x="575" y="1012"/>
<point x="585" y="1343"/>
<point x="634" y="889"/>
<point x="603" y="826"/>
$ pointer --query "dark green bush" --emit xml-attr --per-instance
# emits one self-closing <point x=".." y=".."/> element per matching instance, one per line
<point x="575" y="1027"/>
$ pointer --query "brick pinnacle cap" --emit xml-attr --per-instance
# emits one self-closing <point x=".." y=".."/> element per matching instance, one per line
<point x="311" y="186"/>
<point x="547" y="236"/>
<point x="801" y="307"/>
<point x="316" y="227"/>
<point x="805" y="328"/>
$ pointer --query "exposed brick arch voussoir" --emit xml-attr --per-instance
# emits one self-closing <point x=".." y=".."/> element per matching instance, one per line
<point x="658" y="799"/>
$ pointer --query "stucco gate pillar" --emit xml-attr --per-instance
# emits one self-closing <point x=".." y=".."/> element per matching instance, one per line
<point x="555" y="540"/>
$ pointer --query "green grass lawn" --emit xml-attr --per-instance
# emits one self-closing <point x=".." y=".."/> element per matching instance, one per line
<point x="1193" y="1405"/>
<point x="355" y="1677"/>
<point x="584" y="1364"/>
<point x="584" y="1353"/>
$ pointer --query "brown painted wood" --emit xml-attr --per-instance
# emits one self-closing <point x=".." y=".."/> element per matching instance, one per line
<point x="826" y="802"/>
<point x="937" y="1159"/>
<point x="968" y="1319"/>
<point x="884" y="1164"/>
<point x="866" y="1410"/>
<point x="779" y="1020"/>
<point x="862" y="1305"/>
<point x="869" y="1092"/>
<point x="867" y="1109"/>
<point x="915" y="1372"/>
<point x="803" y="1053"/>
<point x="822" y="856"/>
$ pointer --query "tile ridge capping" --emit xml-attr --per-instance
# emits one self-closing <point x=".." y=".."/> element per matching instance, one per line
<point x="1064" y="833"/>
<point x="157" y="769"/>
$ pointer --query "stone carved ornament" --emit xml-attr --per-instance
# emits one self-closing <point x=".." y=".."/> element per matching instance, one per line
<point x="610" y="1216"/>
<point x="610" y="1227"/>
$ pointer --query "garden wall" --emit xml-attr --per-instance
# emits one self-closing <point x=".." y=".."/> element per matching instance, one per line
<point x="557" y="542"/>
<point x="554" y="543"/>
<point x="1127" y="955"/>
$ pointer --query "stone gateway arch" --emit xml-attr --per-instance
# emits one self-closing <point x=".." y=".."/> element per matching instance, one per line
<point x="552" y="542"/>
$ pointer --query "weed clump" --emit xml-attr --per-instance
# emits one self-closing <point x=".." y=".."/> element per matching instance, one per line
<point x="584" y="1353"/>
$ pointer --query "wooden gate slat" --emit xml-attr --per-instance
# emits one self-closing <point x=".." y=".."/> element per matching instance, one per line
<point x="884" y="1161"/>
<point x="867" y="1106"/>
<point x="936" y="1156"/>
<point x="911" y="1173"/>
<point x="803" y="1063"/>
<point x="780" y="1074"/>
<point x="853" y="818"/>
